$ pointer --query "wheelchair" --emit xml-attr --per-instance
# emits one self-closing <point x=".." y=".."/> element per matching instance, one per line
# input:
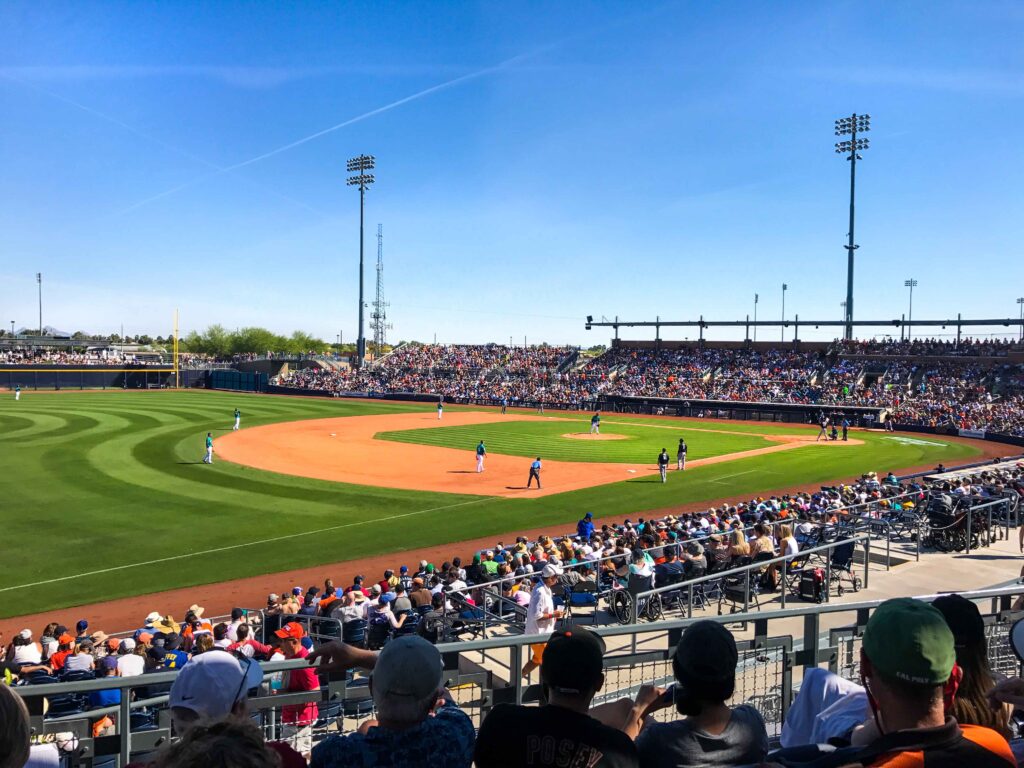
<point x="622" y="600"/>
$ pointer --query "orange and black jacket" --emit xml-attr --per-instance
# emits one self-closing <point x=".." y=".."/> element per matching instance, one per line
<point x="948" y="746"/>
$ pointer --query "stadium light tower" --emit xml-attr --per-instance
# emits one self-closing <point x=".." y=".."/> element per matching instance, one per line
<point x="851" y="126"/>
<point x="359" y="166"/>
<point x="1020" y="303"/>
<point x="756" y="297"/>
<point x="39" y="279"/>
<point x="911" y="284"/>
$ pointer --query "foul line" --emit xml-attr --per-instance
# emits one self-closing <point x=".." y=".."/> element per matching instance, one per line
<point x="247" y="544"/>
<point x="734" y="474"/>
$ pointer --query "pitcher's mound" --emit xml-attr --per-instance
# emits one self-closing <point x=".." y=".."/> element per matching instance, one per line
<point x="588" y="436"/>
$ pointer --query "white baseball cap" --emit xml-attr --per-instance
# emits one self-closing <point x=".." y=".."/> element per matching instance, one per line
<point x="153" y="617"/>
<point x="127" y="645"/>
<point x="550" y="570"/>
<point x="25" y="634"/>
<point x="211" y="683"/>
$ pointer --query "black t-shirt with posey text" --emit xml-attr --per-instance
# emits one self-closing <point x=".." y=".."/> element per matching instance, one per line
<point x="512" y="736"/>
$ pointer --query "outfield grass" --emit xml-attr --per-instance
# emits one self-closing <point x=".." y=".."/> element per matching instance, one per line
<point x="105" y="488"/>
<point x="640" y="443"/>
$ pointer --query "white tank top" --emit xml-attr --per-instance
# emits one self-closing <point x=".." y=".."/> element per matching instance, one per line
<point x="28" y="654"/>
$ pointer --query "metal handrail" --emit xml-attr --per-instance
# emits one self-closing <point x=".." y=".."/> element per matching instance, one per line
<point x="745" y="571"/>
<point x="813" y="650"/>
<point x="509" y="641"/>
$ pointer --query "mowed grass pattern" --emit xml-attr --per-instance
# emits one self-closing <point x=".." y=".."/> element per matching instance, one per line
<point x="640" y="443"/>
<point x="103" y="495"/>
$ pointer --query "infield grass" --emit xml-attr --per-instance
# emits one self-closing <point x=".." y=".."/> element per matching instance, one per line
<point x="102" y="494"/>
<point x="638" y="443"/>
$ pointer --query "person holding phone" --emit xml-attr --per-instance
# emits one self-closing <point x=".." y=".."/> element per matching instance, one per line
<point x="541" y="615"/>
<point x="711" y="732"/>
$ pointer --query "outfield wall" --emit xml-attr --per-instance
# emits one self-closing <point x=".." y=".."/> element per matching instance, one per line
<point x="34" y="377"/>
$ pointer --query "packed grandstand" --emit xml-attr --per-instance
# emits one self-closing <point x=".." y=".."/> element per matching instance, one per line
<point x="385" y="626"/>
<point x="970" y="386"/>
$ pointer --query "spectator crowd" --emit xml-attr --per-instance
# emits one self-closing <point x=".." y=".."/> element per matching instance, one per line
<point x="98" y="357"/>
<point x="925" y="695"/>
<point x="958" y="710"/>
<point x="969" y="389"/>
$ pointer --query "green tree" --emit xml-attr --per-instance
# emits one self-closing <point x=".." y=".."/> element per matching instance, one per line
<point x="255" y="340"/>
<point x="300" y="342"/>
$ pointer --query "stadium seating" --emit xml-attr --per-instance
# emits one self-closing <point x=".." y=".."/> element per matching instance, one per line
<point x="922" y="383"/>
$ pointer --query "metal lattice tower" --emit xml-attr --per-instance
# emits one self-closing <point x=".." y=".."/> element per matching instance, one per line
<point x="379" y="317"/>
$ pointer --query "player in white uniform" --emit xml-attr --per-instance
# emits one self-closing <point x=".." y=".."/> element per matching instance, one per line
<point x="17" y="392"/>
<point x="238" y="419"/>
<point x="440" y="409"/>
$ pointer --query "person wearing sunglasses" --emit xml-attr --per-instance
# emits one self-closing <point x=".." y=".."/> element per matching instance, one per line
<point x="212" y="689"/>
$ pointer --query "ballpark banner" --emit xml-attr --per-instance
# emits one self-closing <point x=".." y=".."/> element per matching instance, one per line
<point x="978" y="433"/>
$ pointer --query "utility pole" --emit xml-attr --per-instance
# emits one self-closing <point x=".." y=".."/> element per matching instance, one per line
<point x="360" y="165"/>
<point x="782" y="329"/>
<point x="851" y="126"/>
<point x="910" y="312"/>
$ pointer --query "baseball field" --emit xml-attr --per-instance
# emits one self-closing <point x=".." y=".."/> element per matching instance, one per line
<point x="104" y="494"/>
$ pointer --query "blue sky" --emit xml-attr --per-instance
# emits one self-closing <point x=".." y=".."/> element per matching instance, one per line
<point x="537" y="162"/>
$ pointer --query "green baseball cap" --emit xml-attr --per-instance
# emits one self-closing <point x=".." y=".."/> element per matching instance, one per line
<point x="909" y="640"/>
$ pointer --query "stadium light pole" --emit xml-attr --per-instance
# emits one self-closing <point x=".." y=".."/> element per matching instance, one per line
<point x="359" y="166"/>
<point x="756" y="297"/>
<point x="39" y="280"/>
<point x="1020" y="303"/>
<point x="911" y="284"/>
<point x="782" y="330"/>
<point x="851" y="126"/>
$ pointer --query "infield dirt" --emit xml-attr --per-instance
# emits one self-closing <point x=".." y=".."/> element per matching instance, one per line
<point x="344" y="450"/>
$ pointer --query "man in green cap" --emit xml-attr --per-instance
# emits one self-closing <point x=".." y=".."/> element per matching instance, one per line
<point x="908" y="666"/>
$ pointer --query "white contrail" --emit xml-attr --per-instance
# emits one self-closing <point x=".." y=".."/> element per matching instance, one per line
<point x="306" y="139"/>
<point x="155" y="140"/>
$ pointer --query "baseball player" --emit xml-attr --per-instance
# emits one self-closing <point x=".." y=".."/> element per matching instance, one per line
<point x="681" y="455"/>
<point x="534" y="473"/>
<point x="504" y="405"/>
<point x="208" y="458"/>
<point x="238" y="420"/>
<point x="481" y="451"/>
<point x="846" y="429"/>
<point x="663" y="465"/>
<point x="440" y="409"/>
<point x="823" y="432"/>
<point x="595" y="424"/>
<point x="17" y="392"/>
